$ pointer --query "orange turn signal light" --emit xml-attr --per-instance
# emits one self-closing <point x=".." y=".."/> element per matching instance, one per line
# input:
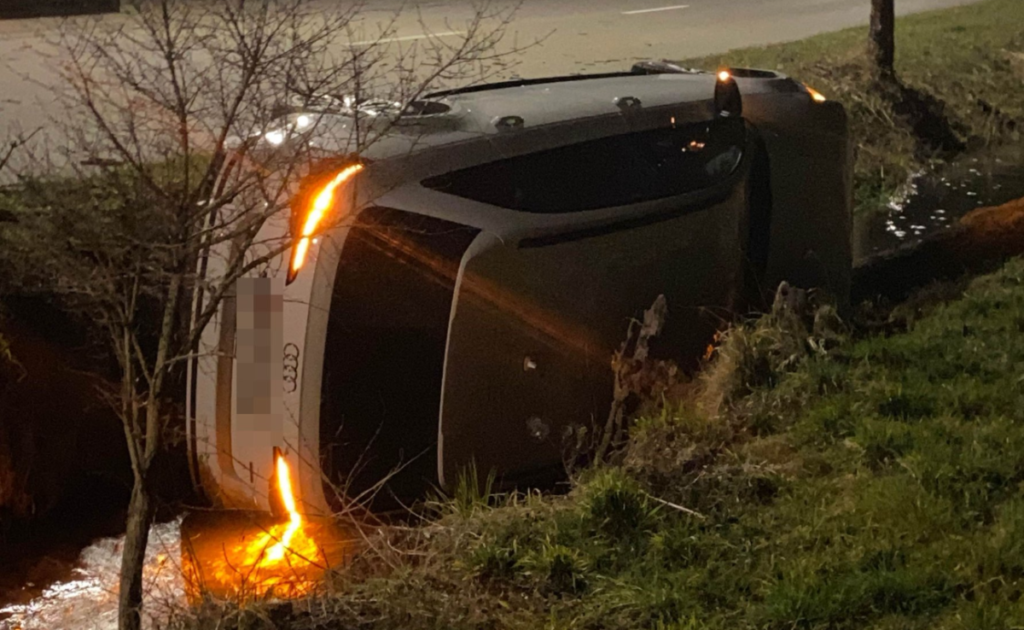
<point x="322" y="202"/>
<point x="815" y="94"/>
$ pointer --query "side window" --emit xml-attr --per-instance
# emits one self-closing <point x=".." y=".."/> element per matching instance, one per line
<point x="613" y="171"/>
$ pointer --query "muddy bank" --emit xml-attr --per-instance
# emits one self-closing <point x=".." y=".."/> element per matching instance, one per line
<point x="979" y="241"/>
<point x="61" y="448"/>
<point x="65" y="475"/>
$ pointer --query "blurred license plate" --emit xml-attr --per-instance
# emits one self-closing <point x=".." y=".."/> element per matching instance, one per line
<point x="258" y="387"/>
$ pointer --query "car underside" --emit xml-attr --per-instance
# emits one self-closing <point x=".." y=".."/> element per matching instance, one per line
<point x="465" y="316"/>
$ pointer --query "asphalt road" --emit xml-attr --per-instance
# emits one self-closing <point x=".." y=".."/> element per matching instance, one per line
<point x="575" y="36"/>
<point x="606" y="35"/>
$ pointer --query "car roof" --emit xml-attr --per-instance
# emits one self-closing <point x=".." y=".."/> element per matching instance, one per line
<point x="473" y="111"/>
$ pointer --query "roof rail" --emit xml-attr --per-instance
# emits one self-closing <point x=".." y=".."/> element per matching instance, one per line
<point x="650" y="66"/>
<point x="526" y="82"/>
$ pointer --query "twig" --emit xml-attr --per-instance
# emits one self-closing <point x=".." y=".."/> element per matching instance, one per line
<point x="625" y="363"/>
<point x="675" y="506"/>
<point x="16" y="144"/>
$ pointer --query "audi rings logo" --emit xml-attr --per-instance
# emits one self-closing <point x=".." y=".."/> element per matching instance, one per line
<point x="290" y="371"/>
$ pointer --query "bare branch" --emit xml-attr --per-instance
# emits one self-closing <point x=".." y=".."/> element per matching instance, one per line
<point x="168" y="165"/>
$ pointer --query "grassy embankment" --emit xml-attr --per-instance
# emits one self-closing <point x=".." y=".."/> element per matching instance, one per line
<point x="969" y="58"/>
<point x="871" y="482"/>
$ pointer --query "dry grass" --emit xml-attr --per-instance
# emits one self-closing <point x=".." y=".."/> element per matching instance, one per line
<point x="758" y="355"/>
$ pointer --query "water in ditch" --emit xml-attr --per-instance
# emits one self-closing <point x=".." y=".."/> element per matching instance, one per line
<point x="935" y="200"/>
<point x="224" y="555"/>
<point x="81" y="592"/>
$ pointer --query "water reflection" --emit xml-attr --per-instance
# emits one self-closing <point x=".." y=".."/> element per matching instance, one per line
<point x="229" y="556"/>
<point x="85" y="598"/>
<point x="934" y="201"/>
<point x="239" y="556"/>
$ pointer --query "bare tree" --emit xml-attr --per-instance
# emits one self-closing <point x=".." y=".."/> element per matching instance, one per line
<point x="168" y="118"/>
<point x="883" y="36"/>
<point x="12" y="147"/>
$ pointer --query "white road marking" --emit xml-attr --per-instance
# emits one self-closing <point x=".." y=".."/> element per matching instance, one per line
<point x="407" y="38"/>
<point x="672" y="8"/>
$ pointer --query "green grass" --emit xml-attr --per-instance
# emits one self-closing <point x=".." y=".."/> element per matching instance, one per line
<point x="971" y="58"/>
<point x="892" y="500"/>
<point x="875" y="485"/>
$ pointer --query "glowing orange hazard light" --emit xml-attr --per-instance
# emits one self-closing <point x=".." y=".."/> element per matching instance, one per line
<point x="322" y="202"/>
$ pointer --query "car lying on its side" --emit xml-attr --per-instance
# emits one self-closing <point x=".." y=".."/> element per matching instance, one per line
<point x="498" y="243"/>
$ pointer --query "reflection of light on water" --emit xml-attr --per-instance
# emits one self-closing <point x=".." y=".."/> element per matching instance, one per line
<point x="235" y="556"/>
<point x="88" y="601"/>
<point x="283" y="560"/>
<point x="262" y="560"/>
<point x="933" y="201"/>
<point x="226" y="555"/>
<point x="905" y="193"/>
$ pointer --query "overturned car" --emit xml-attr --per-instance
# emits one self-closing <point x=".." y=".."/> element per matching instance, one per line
<point x="467" y="315"/>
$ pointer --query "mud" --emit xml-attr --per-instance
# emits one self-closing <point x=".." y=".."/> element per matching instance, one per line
<point x="60" y="445"/>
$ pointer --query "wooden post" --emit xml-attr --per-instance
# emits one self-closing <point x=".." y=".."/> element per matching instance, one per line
<point x="883" y="36"/>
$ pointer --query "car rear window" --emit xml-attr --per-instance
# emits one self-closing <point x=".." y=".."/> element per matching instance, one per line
<point x="614" y="171"/>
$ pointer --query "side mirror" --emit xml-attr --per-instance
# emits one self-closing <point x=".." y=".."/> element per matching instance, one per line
<point x="728" y="102"/>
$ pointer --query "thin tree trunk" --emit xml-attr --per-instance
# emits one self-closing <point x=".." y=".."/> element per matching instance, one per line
<point x="140" y="509"/>
<point x="883" y="36"/>
<point x="136" y="537"/>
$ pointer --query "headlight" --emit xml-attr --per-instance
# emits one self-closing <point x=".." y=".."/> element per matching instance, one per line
<point x="275" y="137"/>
